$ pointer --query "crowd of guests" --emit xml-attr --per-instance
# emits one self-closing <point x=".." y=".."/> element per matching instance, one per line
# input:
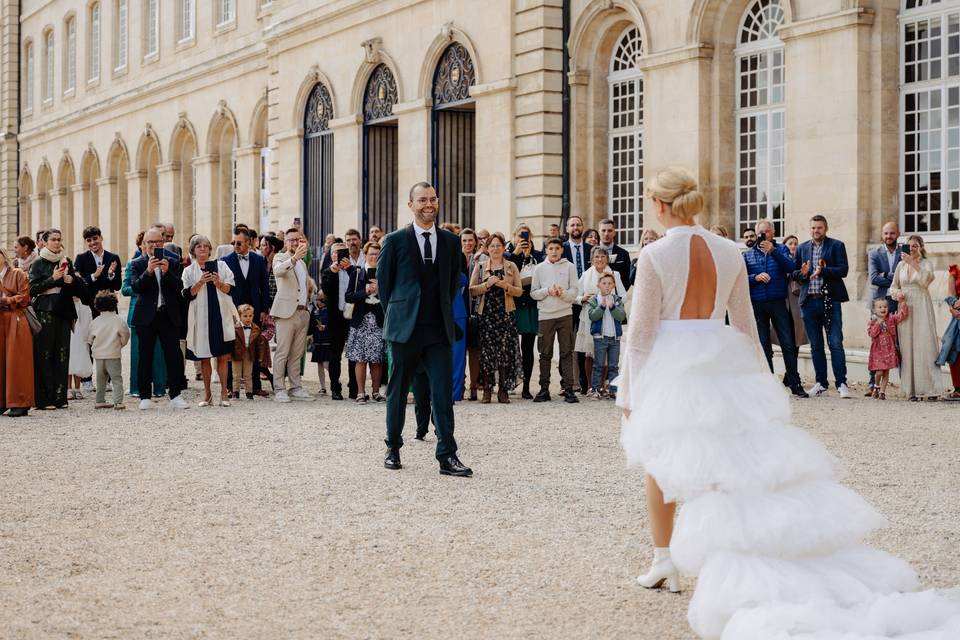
<point x="248" y="313"/>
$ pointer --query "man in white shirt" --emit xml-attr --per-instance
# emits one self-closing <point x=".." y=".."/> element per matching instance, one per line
<point x="292" y="318"/>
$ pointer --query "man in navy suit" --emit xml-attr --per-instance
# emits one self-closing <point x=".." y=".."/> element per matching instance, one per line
<point x="820" y="267"/>
<point x="578" y="253"/>
<point x="881" y="263"/>
<point x="252" y="286"/>
<point x="158" y="316"/>
<point x="619" y="257"/>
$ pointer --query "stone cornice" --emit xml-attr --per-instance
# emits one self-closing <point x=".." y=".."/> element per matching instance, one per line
<point x="490" y="88"/>
<point x="352" y="120"/>
<point x="579" y="77"/>
<point x="288" y="134"/>
<point x="838" y="21"/>
<point x="59" y="191"/>
<point x="420" y="104"/>
<point x="207" y="158"/>
<point x="82" y="186"/>
<point x="672" y="57"/>
<point x="102" y="182"/>
<point x="168" y="167"/>
<point x="136" y="174"/>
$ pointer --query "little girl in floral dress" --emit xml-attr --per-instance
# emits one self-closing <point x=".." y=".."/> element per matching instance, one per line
<point x="883" y="346"/>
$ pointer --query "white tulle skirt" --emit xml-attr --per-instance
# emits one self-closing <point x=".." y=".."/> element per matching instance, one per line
<point x="773" y="539"/>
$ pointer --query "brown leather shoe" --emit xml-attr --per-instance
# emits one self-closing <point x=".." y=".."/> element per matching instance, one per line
<point x="487" y="396"/>
<point x="473" y="395"/>
<point x="502" y="397"/>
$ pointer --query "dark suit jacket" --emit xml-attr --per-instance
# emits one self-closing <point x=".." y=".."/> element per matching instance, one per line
<point x="621" y="264"/>
<point x="585" y="248"/>
<point x="877" y="265"/>
<point x="357" y="295"/>
<point x="398" y="278"/>
<point x="145" y="285"/>
<point x="330" y="285"/>
<point x="253" y="289"/>
<point x="834" y="252"/>
<point x="86" y="266"/>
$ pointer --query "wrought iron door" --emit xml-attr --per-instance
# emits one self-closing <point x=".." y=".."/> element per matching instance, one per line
<point x="380" y="152"/>
<point x="318" y="173"/>
<point x="454" y="136"/>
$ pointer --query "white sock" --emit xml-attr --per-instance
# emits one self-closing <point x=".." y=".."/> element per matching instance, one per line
<point x="660" y="554"/>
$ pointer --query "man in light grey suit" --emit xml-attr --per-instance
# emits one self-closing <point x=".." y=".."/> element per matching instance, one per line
<point x="882" y="262"/>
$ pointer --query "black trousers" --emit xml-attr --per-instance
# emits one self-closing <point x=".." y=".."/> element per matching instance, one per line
<point x="421" y="401"/>
<point x="528" y="344"/>
<point x="169" y="337"/>
<point x="337" y="344"/>
<point x="436" y="360"/>
<point x="777" y="312"/>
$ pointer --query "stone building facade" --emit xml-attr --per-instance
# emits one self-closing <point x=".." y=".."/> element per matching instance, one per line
<point x="207" y="112"/>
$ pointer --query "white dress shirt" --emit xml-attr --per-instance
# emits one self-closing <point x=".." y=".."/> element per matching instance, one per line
<point x="891" y="258"/>
<point x="345" y="279"/>
<point x="244" y="263"/>
<point x="300" y="270"/>
<point x="432" y="237"/>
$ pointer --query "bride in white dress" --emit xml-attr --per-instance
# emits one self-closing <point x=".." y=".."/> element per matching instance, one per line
<point x="772" y="538"/>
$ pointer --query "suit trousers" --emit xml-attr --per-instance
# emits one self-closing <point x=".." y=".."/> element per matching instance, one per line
<point x="421" y="401"/>
<point x="337" y="344"/>
<point x="291" y="345"/>
<point x="436" y="360"/>
<point x="778" y="313"/>
<point x="242" y="370"/>
<point x="169" y="337"/>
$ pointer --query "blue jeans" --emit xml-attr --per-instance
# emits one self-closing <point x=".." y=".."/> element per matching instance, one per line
<point x="814" y="320"/>
<point x="606" y="353"/>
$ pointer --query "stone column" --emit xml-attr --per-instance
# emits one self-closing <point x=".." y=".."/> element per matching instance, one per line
<point x="107" y="189"/>
<point x="60" y="214"/>
<point x="248" y="185"/>
<point x="413" y="157"/>
<point x="137" y="200"/>
<point x="208" y="195"/>
<point x="168" y="192"/>
<point x="289" y="178"/>
<point x="347" y="172"/>
<point x="37" y="202"/>
<point x="80" y="215"/>
<point x="494" y="153"/>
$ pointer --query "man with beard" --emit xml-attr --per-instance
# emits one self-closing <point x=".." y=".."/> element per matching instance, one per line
<point x="578" y="254"/>
<point x="619" y="257"/>
<point x="882" y="263"/>
<point x="418" y="275"/>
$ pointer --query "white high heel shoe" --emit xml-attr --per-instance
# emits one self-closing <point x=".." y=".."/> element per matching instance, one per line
<point x="660" y="573"/>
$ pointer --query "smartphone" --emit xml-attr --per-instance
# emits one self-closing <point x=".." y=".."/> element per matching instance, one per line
<point x="525" y="235"/>
<point x="342" y="254"/>
<point x="371" y="273"/>
<point x="210" y="266"/>
<point x="158" y="253"/>
<point x="905" y="248"/>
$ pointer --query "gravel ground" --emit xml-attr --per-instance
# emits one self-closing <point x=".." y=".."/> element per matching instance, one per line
<point x="268" y="521"/>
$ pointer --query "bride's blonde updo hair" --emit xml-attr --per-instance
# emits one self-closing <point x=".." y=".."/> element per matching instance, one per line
<point x="677" y="187"/>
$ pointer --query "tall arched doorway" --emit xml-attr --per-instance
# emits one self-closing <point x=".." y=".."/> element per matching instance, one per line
<point x="380" y="153"/>
<point x="317" y="171"/>
<point x="453" y="136"/>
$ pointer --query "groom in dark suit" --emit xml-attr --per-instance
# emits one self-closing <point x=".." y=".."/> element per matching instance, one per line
<point x="418" y="273"/>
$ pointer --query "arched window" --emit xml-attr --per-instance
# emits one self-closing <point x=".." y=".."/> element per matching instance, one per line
<point x="93" y="44"/>
<point x="625" y="176"/>
<point x="70" y="55"/>
<point x="317" y="170"/>
<point x="151" y="27"/>
<point x="380" y="152"/>
<point x="454" y="136"/>
<point x="930" y="117"/>
<point x="760" y="117"/>
<point x="121" y="42"/>
<point x="48" y="66"/>
<point x="28" y="77"/>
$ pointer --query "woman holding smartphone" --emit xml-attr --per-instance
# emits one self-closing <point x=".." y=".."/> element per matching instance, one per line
<point x="920" y="376"/>
<point x="53" y="284"/>
<point x="522" y="254"/>
<point x="211" y="316"/>
<point x="495" y="284"/>
<point x="365" y="345"/>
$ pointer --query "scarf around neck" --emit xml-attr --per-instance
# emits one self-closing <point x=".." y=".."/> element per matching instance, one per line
<point x="50" y="256"/>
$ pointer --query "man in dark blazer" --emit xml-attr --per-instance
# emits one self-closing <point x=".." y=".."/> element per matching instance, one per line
<point x="820" y="267"/>
<point x="158" y="316"/>
<point x="619" y="257"/>
<point x="335" y="290"/>
<point x="252" y="287"/>
<point x="578" y="253"/>
<point x="418" y="274"/>
<point x="99" y="269"/>
<point x="881" y="264"/>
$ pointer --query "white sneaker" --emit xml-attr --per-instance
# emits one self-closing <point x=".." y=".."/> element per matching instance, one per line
<point x="301" y="394"/>
<point x="281" y="396"/>
<point x="146" y="405"/>
<point x="844" y="392"/>
<point x="817" y="391"/>
<point x="87" y="387"/>
<point x="179" y="403"/>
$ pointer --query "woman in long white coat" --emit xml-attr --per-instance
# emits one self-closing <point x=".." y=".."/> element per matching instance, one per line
<point x="211" y="315"/>
<point x="583" y="343"/>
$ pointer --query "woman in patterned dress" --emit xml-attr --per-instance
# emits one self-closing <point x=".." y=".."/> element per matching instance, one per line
<point x="365" y="345"/>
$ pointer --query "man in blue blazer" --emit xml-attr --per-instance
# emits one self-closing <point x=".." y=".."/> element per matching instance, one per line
<point x="820" y="267"/>
<point x="578" y="253"/>
<point x="252" y="287"/>
<point x="881" y="263"/>
<point x="418" y="275"/>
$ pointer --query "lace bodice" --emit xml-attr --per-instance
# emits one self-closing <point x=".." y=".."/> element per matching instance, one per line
<point x="661" y="286"/>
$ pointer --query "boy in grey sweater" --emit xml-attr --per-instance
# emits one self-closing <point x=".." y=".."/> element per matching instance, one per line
<point x="555" y="287"/>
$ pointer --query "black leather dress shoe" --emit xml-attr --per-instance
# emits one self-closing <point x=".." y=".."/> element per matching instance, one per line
<point x="543" y="396"/>
<point x="18" y="413"/>
<point x="451" y="466"/>
<point x="799" y="392"/>
<point x="526" y="395"/>
<point x="336" y="395"/>
<point x="392" y="461"/>
<point x="570" y="397"/>
<point x="421" y="436"/>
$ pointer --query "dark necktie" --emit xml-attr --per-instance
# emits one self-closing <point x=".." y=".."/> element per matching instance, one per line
<point x="427" y="249"/>
<point x="579" y="259"/>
